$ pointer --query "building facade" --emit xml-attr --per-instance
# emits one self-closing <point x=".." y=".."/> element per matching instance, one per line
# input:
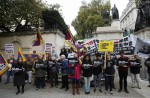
<point x="26" y="40"/>
<point x="128" y="18"/>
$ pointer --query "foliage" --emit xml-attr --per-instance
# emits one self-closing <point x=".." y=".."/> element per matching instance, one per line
<point x="90" y="16"/>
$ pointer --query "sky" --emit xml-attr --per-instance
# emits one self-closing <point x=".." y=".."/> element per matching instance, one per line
<point x="70" y="9"/>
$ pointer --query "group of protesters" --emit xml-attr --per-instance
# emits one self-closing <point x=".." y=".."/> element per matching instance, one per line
<point x="37" y="70"/>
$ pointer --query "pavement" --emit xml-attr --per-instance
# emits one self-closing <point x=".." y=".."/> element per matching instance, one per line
<point x="9" y="91"/>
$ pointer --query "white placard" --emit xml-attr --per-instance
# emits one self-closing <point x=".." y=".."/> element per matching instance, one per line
<point x="9" y="48"/>
<point x="48" y="48"/>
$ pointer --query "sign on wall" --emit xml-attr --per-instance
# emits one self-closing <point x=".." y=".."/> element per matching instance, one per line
<point x="48" y="48"/>
<point x="9" y="48"/>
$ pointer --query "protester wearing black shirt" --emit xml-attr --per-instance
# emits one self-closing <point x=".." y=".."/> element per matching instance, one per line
<point x="123" y="65"/>
<point x="87" y="72"/>
<point x="147" y="64"/>
<point x="135" y="65"/>
<point x="109" y="74"/>
<point x="97" y="71"/>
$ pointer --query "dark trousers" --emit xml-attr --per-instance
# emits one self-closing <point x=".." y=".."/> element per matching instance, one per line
<point x="0" y="79"/>
<point x="149" y="77"/>
<point x="108" y="82"/>
<point x="123" y="77"/>
<point x="75" y="81"/>
<point x="54" y="78"/>
<point x="18" y="88"/>
<point x="40" y="82"/>
<point x="65" y="82"/>
<point x="48" y="74"/>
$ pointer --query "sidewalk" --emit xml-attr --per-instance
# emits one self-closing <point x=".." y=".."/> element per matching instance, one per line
<point x="8" y="91"/>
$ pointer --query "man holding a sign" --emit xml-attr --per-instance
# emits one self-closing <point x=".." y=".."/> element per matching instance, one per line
<point x="123" y="65"/>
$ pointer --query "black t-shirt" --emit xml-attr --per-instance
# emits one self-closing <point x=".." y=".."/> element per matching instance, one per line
<point x="98" y="64"/>
<point x="52" y="65"/>
<point x="87" y="68"/>
<point x="147" y="64"/>
<point x="135" y="66"/>
<point x="110" y="67"/>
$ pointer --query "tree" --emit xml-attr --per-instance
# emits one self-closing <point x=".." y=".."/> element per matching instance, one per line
<point x="90" y="16"/>
<point x="14" y="11"/>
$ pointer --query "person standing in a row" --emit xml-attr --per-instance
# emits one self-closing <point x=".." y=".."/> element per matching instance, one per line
<point x="147" y="64"/>
<point x="87" y="72"/>
<point x="135" y="65"/>
<point x="98" y="65"/>
<point x="40" y="71"/>
<point x="29" y="67"/>
<point x="53" y="70"/>
<point x="19" y="75"/>
<point x="75" y="73"/>
<point x="109" y="74"/>
<point x="64" y="71"/>
<point x="123" y="65"/>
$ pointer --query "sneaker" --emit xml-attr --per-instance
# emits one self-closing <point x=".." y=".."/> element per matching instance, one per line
<point x="148" y="86"/>
<point x="100" y="90"/>
<point x="120" y="90"/>
<point x="111" y="92"/>
<point x="126" y="91"/>
<point x="6" y="82"/>
<point x="94" y="90"/>
<point x="66" y="89"/>
<point x="37" y="88"/>
<point x="139" y="87"/>
<point x="62" y="87"/>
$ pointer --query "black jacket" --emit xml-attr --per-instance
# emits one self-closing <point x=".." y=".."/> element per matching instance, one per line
<point x="97" y="66"/>
<point x="19" y="74"/>
<point x="147" y="64"/>
<point x="135" y="66"/>
<point x="110" y="70"/>
<point x="87" y="68"/>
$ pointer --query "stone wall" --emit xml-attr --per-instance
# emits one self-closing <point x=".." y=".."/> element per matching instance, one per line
<point x="25" y="41"/>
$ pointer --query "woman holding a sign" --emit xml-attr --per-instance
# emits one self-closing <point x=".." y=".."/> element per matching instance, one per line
<point x="75" y="73"/>
<point x="87" y="68"/>
<point x="97" y="71"/>
<point x="109" y="74"/>
<point x="19" y="75"/>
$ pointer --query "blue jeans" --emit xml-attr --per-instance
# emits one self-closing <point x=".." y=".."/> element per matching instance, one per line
<point x="9" y="73"/>
<point x="87" y="84"/>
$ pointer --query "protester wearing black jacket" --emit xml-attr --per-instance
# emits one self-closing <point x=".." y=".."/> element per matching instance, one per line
<point x="87" y="72"/>
<point x="53" y="71"/>
<point x="40" y="71"/>
<point x="109" y="74"/>
<point x="97" y="71"/>
<point x="19" y="75"/>
<point x="123" y="65"/>
<point x="147" y="64"/>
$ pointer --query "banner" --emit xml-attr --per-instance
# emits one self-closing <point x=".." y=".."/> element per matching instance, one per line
<point x="106" y="46"/>
<point x="91" y="46"/>
<point x="3" y="64"/>
<point x="9" y="48"/>
<point x="48" y="48"/>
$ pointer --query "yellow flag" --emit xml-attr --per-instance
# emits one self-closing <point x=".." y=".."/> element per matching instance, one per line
<point x="106" y="46"/>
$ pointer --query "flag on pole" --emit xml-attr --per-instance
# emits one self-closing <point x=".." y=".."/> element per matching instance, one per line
<point x="21" y="55"/>
<point x="71" y="45"/>
<point x="39" y="40"/>
<point x="3" y="64"/>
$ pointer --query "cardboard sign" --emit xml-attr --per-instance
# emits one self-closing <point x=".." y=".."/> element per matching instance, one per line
<point x="48" y="48"/>
<point x="106" y="46"/>
<point x="9" y="48"/>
